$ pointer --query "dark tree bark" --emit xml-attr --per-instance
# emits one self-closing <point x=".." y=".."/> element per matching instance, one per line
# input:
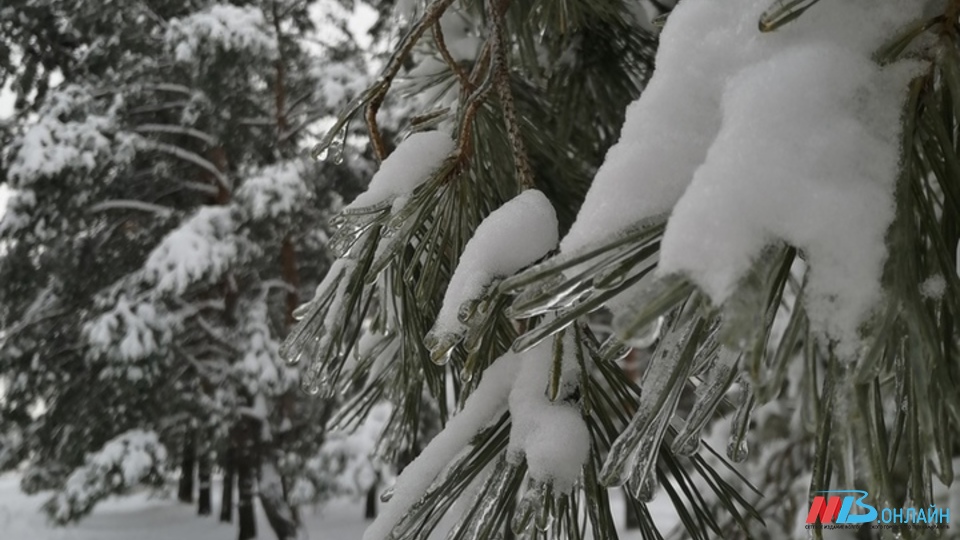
<point x="246" y="478"/>
<point x="245" y="509"/>
<point x="187" y="466"/>
<point x="370" y="507"/>
<point x="204" y="506"/>
<point x="229" y="478"/>
<point x="281" y="515"/>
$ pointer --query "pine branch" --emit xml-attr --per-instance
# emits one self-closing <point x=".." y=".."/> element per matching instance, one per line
<point x="177" y="130"/>
<point x="462" y="77"/>
<point x="501" y="70"/>
<point x="130" y="204"/>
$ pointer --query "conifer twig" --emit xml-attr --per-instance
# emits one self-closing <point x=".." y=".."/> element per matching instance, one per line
<point x="501" y="76"/>
<point x="470" y="108"/>
<point x="457" y="69"/>
<point x="379" y="91"/>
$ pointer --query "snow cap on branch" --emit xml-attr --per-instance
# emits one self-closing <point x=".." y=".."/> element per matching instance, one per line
<point x="483" y="406"/>
<point x="203" y="247"/>
<point x="758" y="138"/>
<point x="408" y="166"/>
<point x="513" y="236"/>
<point x="550" y="434"/>
<point x="222" y="27"/>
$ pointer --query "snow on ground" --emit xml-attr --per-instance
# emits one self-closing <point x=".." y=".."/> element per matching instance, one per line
<point x="142" y="516"/>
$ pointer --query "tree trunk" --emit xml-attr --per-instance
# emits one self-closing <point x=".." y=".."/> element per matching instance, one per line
<point x="229" y="478"/>
<point x="246" y="478"/>
<point x="187" y="466"/>
<point x="280" y="514"/>
<point x="204" y="507"/>
<point x="370" y="507"/>
<point x="245" y="510"/>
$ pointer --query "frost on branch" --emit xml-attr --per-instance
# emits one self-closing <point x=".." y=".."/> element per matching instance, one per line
<point x="124" y="462"/>
<point x="202" y="248"/>
<point x="753" y="139"/>
<point x="222" y="27"/>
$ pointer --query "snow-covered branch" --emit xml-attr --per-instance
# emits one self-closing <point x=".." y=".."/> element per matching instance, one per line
<point x="129" y="204"/>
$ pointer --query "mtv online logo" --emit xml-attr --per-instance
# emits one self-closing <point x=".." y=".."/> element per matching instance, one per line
<point x="838" y="509"/>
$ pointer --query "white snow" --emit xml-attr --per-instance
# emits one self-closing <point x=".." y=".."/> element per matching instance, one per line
<point x="551" y="435"/>
<point x="349" y="456"/>
<point x="66" y="133"/>
<point x="145" y="515"/>
<point x="824" y="185"/>
<point x="222" y="27"/>
<point x="202" y="247"/>
<point x="408" y="166"/>
<point x="668" y="130"/>
<point x="273" y="191"/>
<point x="486" y="403"/>
<point x="122" y="463"/>
<point x="131" y="330"/>
<point x="753" y="138"/>
<point x="262" y="369"/>
<point x="513" y="236"/>
<point x="933" y="287"/>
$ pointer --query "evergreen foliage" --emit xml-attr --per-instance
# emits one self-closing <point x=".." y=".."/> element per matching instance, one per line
<point x="535" y="103"/>
<point x="161" y="226"/>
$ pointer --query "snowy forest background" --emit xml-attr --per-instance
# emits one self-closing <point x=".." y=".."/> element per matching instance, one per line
<point x="475" y="270"/>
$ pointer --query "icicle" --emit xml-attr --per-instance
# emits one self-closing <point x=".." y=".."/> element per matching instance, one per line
<point x="613" y="350"/>
<point x="709" y="395"/>
<point x="545" y="515"/>
<point x="644" y="488"/>
<point x="479" y="522"/>
<point x="662" y="385"/>
<point x="333" y="152"/>
<point x="302" y="310"/>
<point x="387" y="494"/>
<point x="526" y="509"/>
<point x="441" y="346"/>
<point x="647" y="335"/>
<point x="650" y="304"/>
<point x="841" y="430"/>
<point x="737" y="448"/>
<point x="557" y="293"/>
<point x="350" y="233"/>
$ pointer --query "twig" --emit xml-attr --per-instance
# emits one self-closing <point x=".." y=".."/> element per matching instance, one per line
<point x="176" y="130"/>
<point x="482" y="64"/>
<point x="465" y="86"/>
<point x="130" y="204"/>
<point x="191" y="157"/>
<point x="470" y="108"/>
<point x="379" y="92"/>
<point x="502" y="81"/>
